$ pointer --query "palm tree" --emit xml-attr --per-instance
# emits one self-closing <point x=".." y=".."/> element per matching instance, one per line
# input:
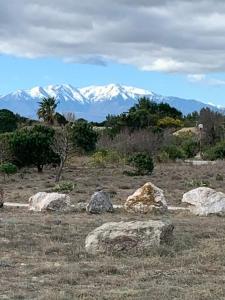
<point x="46" y="110"/>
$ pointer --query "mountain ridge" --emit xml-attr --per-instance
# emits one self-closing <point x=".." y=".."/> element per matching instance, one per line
<point x="92" y="102"/>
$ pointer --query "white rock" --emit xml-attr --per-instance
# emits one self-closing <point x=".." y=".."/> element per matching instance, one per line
<point x="49" y="201"/>
<point x="204" y="201"/>
<point x="128" y="236"/>
<point x="146" y="199"/>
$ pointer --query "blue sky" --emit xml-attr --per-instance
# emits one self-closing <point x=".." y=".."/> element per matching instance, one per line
<point x="173" y="48"/>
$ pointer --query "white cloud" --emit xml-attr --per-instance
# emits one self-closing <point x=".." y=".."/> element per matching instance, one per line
<point x="183" y="36"/>
<point x="202" y="78"/>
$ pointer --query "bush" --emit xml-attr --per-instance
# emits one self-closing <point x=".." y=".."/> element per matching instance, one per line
<point x="32" y="146"/>
<point x="189" y="143"/>
<point x="103" y="157"/>
<point x="84" y="136"/>
<point x="64" y="187"/>
<point x="215" y="152"/>
<point x="8" y="121"/>
<point x="169" y="122"/>
<point x="142" y="162"/>
<point x="174" y="152"/>
<point x="8" y="169"/>
<point x="163" y="157"/>
<point x="195" y="183"/>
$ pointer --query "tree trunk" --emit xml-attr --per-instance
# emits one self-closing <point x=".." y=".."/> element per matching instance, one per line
<point x="59" y="172"/>
<point x="40" y="168"/>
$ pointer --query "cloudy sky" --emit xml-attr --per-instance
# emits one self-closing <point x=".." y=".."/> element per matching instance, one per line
<point x="174" y="47"/>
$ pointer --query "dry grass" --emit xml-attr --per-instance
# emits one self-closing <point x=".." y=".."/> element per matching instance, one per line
<point x="43" y="257"/>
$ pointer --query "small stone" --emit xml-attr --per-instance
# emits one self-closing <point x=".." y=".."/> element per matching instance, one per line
<point x="100" y="203"/>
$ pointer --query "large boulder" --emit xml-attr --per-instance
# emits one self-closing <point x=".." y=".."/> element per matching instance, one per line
<point x="148" y="198"/>
<point x="128" y="236"/>
<point x="204" y="201"/>
<point x="49" y="201"/>
<point x="100" y="202"/>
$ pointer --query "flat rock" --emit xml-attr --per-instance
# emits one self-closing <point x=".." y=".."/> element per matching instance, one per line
<point x="128" y="236"/>
<point x="100" y="203"/>
<point x="148" y="198"/>
<point x="49" y="201"/>
<point x="204" y="201"/>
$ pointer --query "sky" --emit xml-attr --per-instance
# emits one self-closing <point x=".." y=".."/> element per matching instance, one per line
<point x="174" y="48"/>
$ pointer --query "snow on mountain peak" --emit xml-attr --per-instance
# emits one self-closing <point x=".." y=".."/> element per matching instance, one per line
<point x="111" y="91"/>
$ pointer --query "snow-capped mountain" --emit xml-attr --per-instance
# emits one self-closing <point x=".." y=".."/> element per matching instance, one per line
<point x="93" y="102"/>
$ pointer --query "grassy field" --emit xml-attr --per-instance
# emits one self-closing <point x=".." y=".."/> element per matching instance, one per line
<point x="43" y="256"/>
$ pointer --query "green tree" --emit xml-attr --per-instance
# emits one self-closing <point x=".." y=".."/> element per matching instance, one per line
<point x="32" y="146"/>
<point x="60" y="119"/>
<point x="8" y="121"/>
<point x="46" y="110"/>
<point x="83" y="136"/>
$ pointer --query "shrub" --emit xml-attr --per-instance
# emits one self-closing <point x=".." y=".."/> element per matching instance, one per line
<point x="169" y="122"/>
<point x="195" y="183"/>
<point x="8" y="121"/>
<point x="32" y="146"/>
<point x="189" y="143"/>
<point x="64" y="187"/>
<point x="215" y="152"/>
<point x="163" y="157"/>
<point x="103" y="157"/>
<point x="8" y="169"/>
<point x="84" y="136"/>
<point x="142" y="162"/>
<point x="174" y="152"/>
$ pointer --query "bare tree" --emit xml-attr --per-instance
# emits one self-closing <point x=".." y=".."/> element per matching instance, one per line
<point x="70" y="117"/>
<point x="213" y="122"/>
<point x="62" y="146"/>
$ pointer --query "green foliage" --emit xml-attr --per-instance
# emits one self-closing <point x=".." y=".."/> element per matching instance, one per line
<point x="33" y="147"/>
<point x="169" y="122"/>
<point x="189" y="143"/>
<point x="64" y="187"/>
<point x="215" y="152"/>
<point x="144" y="114"/>
<point x="174" y="152"/>
<point x="60" y="119"/>
<point x="195" y="183"/>
<point x="8" y="121"/>
<point x="8" y="169"/>
<point x="84" y="137"/>
<point x="102" y="158"/>
<point x="163" y="157"/>
<point x="46" y="110"/>
<point x="142" y="162"/>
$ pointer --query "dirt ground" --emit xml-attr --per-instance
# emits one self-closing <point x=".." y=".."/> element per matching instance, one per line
<point x="43" y="256"/>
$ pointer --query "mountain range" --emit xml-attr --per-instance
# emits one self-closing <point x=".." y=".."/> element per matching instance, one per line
<point x="93" y="103"/>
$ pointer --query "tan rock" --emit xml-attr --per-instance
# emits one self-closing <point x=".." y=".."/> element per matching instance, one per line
<point x="148" y="198"/>
<point x="128" y="236"/>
